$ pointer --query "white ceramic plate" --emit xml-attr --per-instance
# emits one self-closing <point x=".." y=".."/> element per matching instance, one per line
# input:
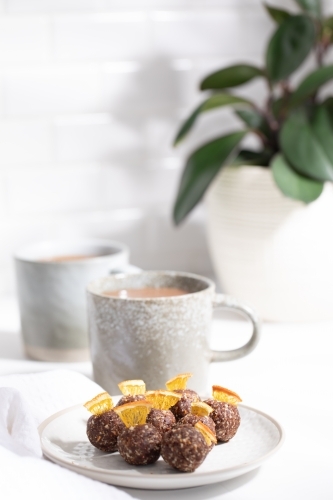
<point x="64" y="441"/>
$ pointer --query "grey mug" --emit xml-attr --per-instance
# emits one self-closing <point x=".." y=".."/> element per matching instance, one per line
<point x="51" y="293"/>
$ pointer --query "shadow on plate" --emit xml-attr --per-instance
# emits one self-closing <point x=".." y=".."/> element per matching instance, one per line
<point x="197" y="493"/>
<point x="83" y="453"/>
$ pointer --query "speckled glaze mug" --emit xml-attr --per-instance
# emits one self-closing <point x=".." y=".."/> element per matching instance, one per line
<point x="155" y="338"/>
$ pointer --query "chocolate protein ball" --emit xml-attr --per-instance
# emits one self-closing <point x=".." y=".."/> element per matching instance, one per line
<point x="226" y="419"/>
<point x="184" y="448"/>
<point x="103" y="431"/>
<point x="183" y="406"/>
<point x="190" y="419"/>
<point x="130" y="399"/>
<point x="163" y="420"/>
<point x="140" y="445"/>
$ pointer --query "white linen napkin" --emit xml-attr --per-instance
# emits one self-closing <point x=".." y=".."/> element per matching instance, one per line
<point x="25" y="401"/>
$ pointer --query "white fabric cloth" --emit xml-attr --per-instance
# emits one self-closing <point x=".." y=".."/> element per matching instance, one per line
<point x="25" y="401"/>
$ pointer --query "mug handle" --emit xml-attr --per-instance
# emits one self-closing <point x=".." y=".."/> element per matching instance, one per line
<point x="222" y="301"/>
<point x="127" y="269"/>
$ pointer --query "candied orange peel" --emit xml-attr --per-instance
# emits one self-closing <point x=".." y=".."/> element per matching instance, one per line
<point x="134" y="413"/>
<point x="207" y="433"/>
<point x="132" y="387"/>
<point x="162" y="400"/>
<point x="201" y="409"/>
<point x="225" y="395"/>
<point x="99" y="404"/>
<point x="178" y="382"/>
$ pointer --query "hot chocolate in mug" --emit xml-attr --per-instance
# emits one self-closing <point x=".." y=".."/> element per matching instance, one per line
<point x="136" y="333"/>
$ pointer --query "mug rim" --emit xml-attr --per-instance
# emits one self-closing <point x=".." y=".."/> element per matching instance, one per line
<point x="119" y="247"/>
<point x="210" y="285"/>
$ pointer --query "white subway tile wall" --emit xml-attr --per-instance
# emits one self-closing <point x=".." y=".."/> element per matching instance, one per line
<point x="22" y="42"/>
<point x="91" y="94"/>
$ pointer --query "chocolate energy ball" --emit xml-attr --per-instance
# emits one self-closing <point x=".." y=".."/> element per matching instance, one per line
<point x="184" y="448"/>
<point x="163" y="420"/>
<point x="103" y="431"/>
<point x="183" y="406"/>
<point x="130" y="399"/>
<point x="226" y="419"/>
<point x="140" y="445"/>
<point x="190" y="419"/>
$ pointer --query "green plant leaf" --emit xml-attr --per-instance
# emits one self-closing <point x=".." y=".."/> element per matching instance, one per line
<point x="248" y="157"/>
<point x="289" y="46"/>
<point x="322" y="126"/>
<point x="254" y="120"/>
<point x="328" y="22"/>
<point x="278" y="106"/>
<point x="311" y="84"/>
<point x="215" y="101"/>
<point x="281" y="108"/>
<point x="293" y="184"/>
<point x="328" y="105"/>
<point x="308" y="146"/>
<point x="328" y="28"/>
<point x="278" y="15"/>
<point x="311" y="6"/>
<point x="200" y="169"/>
<point x="233" y="76"/>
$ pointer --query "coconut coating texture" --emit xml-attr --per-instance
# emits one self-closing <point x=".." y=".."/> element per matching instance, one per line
<point x="103" y="431"/>
<point x="226" y="418"/>
<point x="184" y="448"/>
<point x="183" y="406"/>
<point x="163" y="420"/>
<point x="190" y="419"/>
<point x="140" y="445"/>
<point x="130" y="399"/>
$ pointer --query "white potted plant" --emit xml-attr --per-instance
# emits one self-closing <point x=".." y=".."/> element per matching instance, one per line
<point x="269" y="212"/>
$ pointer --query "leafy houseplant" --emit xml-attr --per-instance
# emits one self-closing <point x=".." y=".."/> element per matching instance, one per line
<point x="295" y="126"/>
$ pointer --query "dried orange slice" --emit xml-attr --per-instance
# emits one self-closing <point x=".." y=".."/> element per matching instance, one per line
<point x="206" y="432"/>
<point x="99" y="404"/>
<point x="162" y="400"/>
<point x="132" y="387"/>
<point x="134" y="413"/>
<point x="178" y="382"/>
<point x="225" y="395"/>
<point x="201" y="409"/>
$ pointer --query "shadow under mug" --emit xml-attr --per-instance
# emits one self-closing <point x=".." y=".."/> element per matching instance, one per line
<point x="155" y="338"/>
<point x="51" y="293"/>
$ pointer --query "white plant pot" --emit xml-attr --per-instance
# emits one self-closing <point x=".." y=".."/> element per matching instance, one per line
<point x="270" y="251"/>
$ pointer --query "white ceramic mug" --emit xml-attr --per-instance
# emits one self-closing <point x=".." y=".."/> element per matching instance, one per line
<point x="52" y="293"/>
<point x="155" y="338"/>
